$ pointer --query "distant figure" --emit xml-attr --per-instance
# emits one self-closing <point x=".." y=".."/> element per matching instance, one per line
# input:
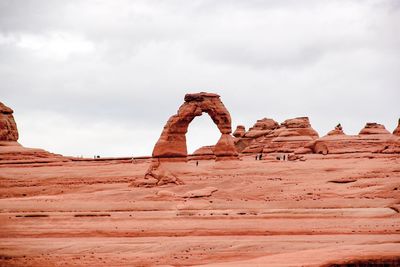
<point x="98" y="156"/>
<point x="260" y="157"/>
<point x="197" y="163"/>
<point x="284" y="157"/>
<point x="256" y="157"/>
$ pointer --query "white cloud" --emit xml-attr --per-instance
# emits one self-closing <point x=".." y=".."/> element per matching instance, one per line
<point x="126" y="65"/>
<point x="53" y="45"/>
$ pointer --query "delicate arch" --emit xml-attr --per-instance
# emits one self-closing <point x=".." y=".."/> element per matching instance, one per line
<point x="172" y="142"/>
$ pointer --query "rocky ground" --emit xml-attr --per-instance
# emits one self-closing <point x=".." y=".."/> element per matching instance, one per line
<point x="328" y="209"/>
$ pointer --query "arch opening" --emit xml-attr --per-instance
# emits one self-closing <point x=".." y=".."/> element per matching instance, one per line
<point x="172" y="142"/>
<point x="201" y="132"/>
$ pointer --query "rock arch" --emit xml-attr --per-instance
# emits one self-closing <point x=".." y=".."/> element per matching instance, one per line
<point x="172" y="142"/>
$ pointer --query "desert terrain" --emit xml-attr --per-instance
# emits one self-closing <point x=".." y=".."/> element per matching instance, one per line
<point x="308" y="201"/>
<point x="322" y="211"/>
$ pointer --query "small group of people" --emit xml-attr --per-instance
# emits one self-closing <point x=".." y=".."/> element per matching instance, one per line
<point x="259" y="157"/>
<point x="283" y="157"/>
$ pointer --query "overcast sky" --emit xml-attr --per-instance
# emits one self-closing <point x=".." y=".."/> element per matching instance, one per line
<point x="102" y="77"/>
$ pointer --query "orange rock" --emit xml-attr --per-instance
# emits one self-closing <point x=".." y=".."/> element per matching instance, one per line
<point x="172" y="142"/>
<point x="397" y="130"/>
<point x="8" y="127"/>
<point x="337" y="131"/>
<point x="225" y="148"/>
<point x="204" y="152"/>
<point x="374" y="128"/>
<point x="240" y="131"/>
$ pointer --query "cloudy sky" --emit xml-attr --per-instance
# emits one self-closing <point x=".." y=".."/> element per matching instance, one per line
<point x="103" y="77"/>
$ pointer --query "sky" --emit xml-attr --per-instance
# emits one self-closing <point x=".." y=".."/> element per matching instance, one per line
<point x="91" y="77"/>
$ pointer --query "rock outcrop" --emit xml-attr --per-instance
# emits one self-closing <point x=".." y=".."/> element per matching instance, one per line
<point x="374" y="128"/>
<point x="204" y="152"/>
<point x="157" y="175"/>
<point x="172" y="143"/>
<point x="8" y="127"/>
<point x="267" y="136"/>
<point x="12" y="151"/>
<point x="373" y="138"/>
<point x="337" y="131"/>
<point x="240" y="131"/>
<point x="397" y="130"/>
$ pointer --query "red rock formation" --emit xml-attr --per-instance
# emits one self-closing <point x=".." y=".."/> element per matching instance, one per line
<point x="337" y="131"/>
<point x="372" y="138"/>
<point x="240" y="131"/>
<point x="156" y="175"/>
<point x="340" y="144"/>
<point x="262" y="127"/>
<point x="374" y="128"/>
<point x="8" y="127"/>
<point x="204" y="152"/>
<point x="172" y="143"/>
<point x="11" y="150"/>
<point x="267" y="136"/>
<point x="397" y="130"/>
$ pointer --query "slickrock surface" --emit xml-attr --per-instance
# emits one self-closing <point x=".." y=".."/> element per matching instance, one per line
<point x="332" y="209"/>
<point x="11" y="151"/>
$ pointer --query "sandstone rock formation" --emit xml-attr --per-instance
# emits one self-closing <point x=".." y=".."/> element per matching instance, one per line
<point x="267" y="136"/>
<point x="8" y="127"/>
<point x="156" y="175"/>
<point x="337" y="131"/>
<point x="373" y="138"/>
<point x="11" y="150"/>
<point x="397" y="130"/>
<point x="374" y="128"/>
<point x="204" y="152"/>
<point x="172" y="143"/>
<point x="240" y="131"/>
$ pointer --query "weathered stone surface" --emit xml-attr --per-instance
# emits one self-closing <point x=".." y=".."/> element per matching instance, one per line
<point x="262" y="127"/>
<point x="172" y="142"/>
<point x="204" y="152"/>
<point x="340" y="144"/>
<point x="374" y="128"/>
<point x="225" y="148"/>
<point x="337" y="131"/>
<point x="267" y="136"/>
<point x="156" y="175"/>
<point x="300" y="122"/>
<point x="8" y="127"/>
<point x="240" y="131"/>
<point x="12" y="151"/>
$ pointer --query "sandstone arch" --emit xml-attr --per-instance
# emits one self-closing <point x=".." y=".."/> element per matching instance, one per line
<point x="172" y="142"/>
